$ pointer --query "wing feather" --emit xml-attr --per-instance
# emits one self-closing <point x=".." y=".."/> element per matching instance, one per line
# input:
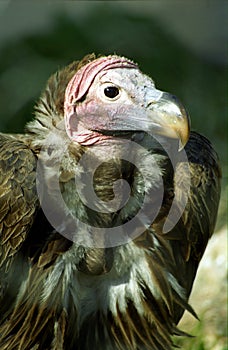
<point x="198" y="220"/>
<point x="200" y="213"/>
<point x="18" y="198"/>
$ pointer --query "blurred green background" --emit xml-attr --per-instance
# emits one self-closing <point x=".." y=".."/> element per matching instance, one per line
<point x="180" y="44"/>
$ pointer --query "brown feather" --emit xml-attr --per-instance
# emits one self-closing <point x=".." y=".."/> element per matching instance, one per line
<point x="56" y="295"/>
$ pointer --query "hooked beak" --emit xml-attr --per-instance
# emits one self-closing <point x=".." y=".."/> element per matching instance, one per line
<point x="172" y="119"/>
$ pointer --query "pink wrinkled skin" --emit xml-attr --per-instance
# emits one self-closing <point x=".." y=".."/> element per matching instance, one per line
<point x="78" y="87"/>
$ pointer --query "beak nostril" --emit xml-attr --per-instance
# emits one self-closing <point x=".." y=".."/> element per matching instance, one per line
<point x="150" y="103"/>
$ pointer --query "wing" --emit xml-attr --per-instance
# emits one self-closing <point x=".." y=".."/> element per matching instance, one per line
<point x="28" y="246"/>
<point x="199" y="217"/>
<point x="18" y="198"/>
<point x="201" y="212"/>
<point x="190" y="236"/>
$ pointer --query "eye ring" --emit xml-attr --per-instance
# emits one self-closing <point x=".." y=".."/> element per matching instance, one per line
<point x="111" y="91"/>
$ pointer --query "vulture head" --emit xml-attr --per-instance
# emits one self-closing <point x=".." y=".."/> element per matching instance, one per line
<point x="107" y="211"/>
<point x="111" y="95"/>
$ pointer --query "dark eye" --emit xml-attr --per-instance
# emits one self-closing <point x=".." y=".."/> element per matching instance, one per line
<point x="111" y="91"/>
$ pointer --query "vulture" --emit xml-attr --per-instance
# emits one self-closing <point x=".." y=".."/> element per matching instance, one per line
<point x="107" y="203"/>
